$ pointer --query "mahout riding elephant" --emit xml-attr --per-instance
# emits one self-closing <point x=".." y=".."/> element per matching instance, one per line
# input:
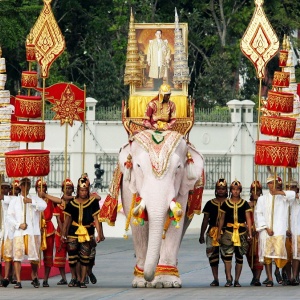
<point x="160" y="171"/>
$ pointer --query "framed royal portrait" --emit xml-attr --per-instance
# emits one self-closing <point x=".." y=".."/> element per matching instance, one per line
<point x="146" y="36"/>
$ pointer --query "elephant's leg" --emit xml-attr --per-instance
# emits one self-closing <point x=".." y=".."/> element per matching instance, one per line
<point x="167" y="272"/>
<point x="140" y="240"/>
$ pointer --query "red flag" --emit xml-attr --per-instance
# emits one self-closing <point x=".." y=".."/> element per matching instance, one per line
<point x="68" y="102"/>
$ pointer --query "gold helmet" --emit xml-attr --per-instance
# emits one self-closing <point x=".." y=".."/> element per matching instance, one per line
<point x="67" y="182"/>
<point x="40" y="182"/>
<point x="84" y="181"/>
<point x="255" y="184"/>
<point x="236" y="183"/>
<point x="163" y="90"/>
<point x="221" y="182"/>
<point x="16" y="183"/>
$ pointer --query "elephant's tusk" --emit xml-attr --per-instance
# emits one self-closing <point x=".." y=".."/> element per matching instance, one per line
<point x="139" y="209"/>
<point x="177" y="211"/>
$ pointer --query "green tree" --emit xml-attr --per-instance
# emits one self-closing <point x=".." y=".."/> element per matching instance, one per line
<point x="96" y="33"/>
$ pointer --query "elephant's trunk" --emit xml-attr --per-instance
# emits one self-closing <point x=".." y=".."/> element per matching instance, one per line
<point x="156" y="224"/>
<point x="157" y="204"/>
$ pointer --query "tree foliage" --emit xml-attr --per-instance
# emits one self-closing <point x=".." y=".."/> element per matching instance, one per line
<point x="96" y="38"/>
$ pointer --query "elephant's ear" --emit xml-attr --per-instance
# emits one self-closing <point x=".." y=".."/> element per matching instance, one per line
<point x="193" y="170"/>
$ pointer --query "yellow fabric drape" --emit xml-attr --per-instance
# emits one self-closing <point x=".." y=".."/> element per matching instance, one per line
<point x="279" y="262"/>
<point x="44" y="235"/>
<point x="137" y="105"/>
<point x="26" y="243"/>
<point x="213" y="233"/>
<point x="83" y="235"/>
<point x="235" y="235"/>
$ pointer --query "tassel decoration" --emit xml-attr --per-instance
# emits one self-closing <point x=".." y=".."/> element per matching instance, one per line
<point x="175" y="213"/>
<point x="128" y="166"/>
<point x="191" y="171"/>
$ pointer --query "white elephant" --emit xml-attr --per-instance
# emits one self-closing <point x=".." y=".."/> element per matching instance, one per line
<point x="161" y="169"/>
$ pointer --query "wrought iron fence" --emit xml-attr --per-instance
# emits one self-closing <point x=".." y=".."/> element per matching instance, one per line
<point x="263" y="174"/>
<point x="107" y="163"/>
<point x="57" y="167"/>
<point x="216" y="167"/>
<point x="113" y="113"/>
<point x="49" y="114"/>
<point x="212" y="115"/>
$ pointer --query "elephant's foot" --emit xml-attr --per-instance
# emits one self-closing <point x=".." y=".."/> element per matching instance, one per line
<point x="166" y="281"/>
<point x="139" y="282"/>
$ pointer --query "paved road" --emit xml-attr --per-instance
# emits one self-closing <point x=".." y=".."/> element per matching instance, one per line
<point x="114" y="267"/>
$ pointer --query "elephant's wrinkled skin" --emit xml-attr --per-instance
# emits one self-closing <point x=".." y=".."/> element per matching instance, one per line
<point x="157" y="193"/>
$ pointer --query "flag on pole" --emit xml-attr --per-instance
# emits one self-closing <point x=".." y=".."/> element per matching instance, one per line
<point x="68" y="102"/>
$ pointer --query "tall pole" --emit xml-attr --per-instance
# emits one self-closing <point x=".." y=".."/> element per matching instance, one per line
<point x="66" y="149"/>
<point x="83" y="134"/>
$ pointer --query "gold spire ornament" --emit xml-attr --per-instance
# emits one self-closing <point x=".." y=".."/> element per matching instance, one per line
<point x="133" y="70"/>
<point x="260" y="42"/>
<point x="47" y="38"/>
<point x="181" y="68"/>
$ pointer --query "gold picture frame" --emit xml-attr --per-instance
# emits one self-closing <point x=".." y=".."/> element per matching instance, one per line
<point x="146" y="32"/>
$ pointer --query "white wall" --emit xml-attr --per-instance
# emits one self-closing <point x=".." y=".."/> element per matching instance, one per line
<point x="230" y="139"/>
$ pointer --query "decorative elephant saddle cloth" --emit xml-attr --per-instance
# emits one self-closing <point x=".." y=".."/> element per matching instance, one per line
<point x="160" y="146"/>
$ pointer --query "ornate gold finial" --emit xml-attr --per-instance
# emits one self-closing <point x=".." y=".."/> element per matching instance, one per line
<point x="47" y="38"/>
<point x="188" y="155"/>
<point x="30" y="37"/>
<point x="288" y="43"/>
<point x="284" y="43"/>
<point x="181" y="68"/>
<point x="259" y="43"/>
<point x="133" y="70"/>
<point x="131" y="16"/>
<point x="0" y="51"/>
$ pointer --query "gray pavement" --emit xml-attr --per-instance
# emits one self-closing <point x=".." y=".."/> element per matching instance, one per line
<point x="114" y="268"/>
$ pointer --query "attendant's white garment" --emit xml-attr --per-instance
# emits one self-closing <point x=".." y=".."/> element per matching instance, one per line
<point x="272" y="246"/>
<point x="15" y="217"/>
<point x="1" y="227"/>
<point x="4" y="230"/>
<point x="295" y="228"/>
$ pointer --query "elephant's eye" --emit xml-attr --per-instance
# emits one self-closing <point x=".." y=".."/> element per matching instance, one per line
<point x="179" y="166"/>
<point x="138" y="165"/>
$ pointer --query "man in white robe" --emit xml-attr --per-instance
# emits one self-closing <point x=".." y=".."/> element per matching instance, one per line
<point x="4" y="229"/>
<point x="272" y="225"/>
<point x="158" y="59"/>
<point x="9" y="233"/>
<point x="23" y="216"/>
<point x="295" y="231"/>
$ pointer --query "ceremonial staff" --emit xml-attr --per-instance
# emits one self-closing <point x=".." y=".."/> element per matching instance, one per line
<point x="259" y="44"/>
